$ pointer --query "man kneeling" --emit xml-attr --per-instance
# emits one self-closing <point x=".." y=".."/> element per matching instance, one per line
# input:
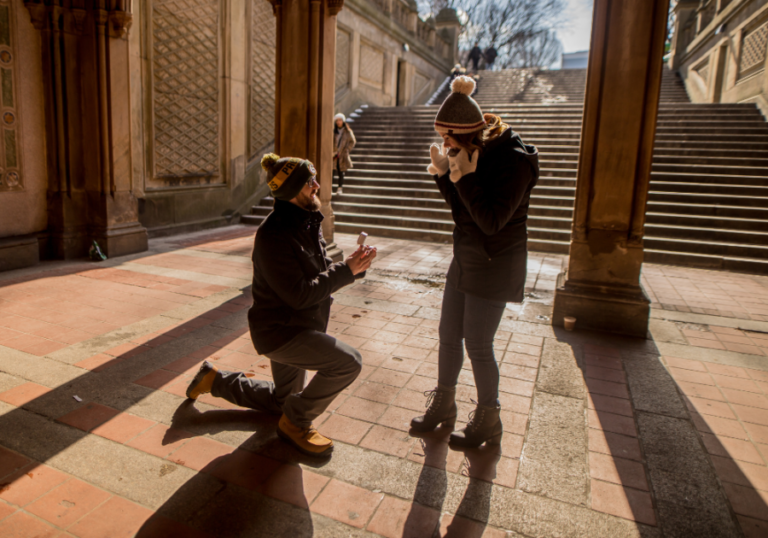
<point x="293" y="280"/>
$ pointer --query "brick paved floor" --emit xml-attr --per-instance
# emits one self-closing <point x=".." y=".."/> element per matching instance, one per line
<point x="604" y="436"/>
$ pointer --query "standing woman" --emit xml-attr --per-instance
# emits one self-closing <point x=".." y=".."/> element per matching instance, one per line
<point x="343" y="142"/>
<point x="485" y="172"/>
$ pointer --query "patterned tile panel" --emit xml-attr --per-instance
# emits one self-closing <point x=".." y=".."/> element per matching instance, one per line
<point x="10" y="165"/>
<point x="186" y="87"/>
<point x="753" y="50"/>
<point x="263" y="39"/>
<point x="343" y="42"/>
<point x="371" y="65"/>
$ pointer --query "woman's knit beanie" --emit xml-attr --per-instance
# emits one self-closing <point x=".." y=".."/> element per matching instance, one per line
<point x="286" y="176"/>
<point x="460" y="114"/>
<point x="339" y="116"/>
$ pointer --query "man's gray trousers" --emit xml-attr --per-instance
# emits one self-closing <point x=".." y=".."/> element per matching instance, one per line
<point x="337" y="365"/>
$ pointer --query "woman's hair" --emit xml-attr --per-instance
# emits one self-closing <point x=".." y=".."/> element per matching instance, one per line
<point x="477" y="140"/>
<point x="343" y="126"/>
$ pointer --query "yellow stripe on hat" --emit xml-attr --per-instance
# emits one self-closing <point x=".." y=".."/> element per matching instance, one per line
<point x="284" y="172"/>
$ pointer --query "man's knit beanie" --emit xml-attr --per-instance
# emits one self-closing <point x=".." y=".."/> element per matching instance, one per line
<point x="287" y="176"/>
<point x="460" y="114"/>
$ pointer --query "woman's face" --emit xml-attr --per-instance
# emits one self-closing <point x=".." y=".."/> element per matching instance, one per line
<point x="449" y="142"/>
<point x="339" y="123"/>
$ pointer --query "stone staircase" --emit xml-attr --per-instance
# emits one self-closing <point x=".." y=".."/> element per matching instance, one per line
<point x="708" y="199"/>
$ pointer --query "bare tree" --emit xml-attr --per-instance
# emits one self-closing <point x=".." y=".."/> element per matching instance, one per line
<point x="522" y="31"/>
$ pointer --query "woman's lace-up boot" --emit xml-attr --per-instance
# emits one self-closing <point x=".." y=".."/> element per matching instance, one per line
<point x="484" y="426"/>
<point x="441" y="409"/>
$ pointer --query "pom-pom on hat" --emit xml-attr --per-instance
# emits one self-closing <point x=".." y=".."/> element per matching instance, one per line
<point x="287" y="176"/>
<point x="460" y="114"/>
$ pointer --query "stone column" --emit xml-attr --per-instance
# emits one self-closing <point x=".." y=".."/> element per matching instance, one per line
<point x="88" y="127"/>
<point x="448" y="19"/>
<point x="305" y="88"/>
<point x="682" y="11"/>
<point x="602" y="289"/>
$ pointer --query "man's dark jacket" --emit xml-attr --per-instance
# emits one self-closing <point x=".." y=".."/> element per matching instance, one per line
<point x="293" y="278"/>
<point x="490" y="209"/>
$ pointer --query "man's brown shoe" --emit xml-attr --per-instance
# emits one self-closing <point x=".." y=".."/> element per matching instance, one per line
<point x="306" y="440"/>
<point x="203" y="381"/>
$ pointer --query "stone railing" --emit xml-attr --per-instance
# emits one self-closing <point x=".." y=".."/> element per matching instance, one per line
<point x="425" y="32"/>
<point x="402" y="13"/>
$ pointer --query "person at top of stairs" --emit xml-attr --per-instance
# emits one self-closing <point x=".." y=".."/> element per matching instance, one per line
<point x="475" y="55"/>
<point x="486" y="173"/>
<point x="343" y="142"/>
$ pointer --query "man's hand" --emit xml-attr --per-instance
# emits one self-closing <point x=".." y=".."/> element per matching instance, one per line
<point x="360" y="260"/>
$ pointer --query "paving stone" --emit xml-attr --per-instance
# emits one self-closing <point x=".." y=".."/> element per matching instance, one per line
<point x="554" y="462"/>
<point x="532" y="515"/>
<point x="680" y="472"/>
<point x="116" y="518"/>
<point x="560" y="371"/>
<point x="67" y="503"/>
<point x="651" y="387"/>
<point x="240" y="512"/>
<point x="7" y="382"/>
<point x="42" y="370"/>
<point x="138" y="476"/>
<point x="30" y="483"/>
<point x="665" y="331"/>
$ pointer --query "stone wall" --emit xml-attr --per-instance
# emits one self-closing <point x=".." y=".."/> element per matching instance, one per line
<point x="23" y="179"/>
<point x="383" y="58"/>
<point x="208" y="109"/>
<point x="195" y="173"/>
<point x="166" y="131"/>
<point x="719" y="48"/>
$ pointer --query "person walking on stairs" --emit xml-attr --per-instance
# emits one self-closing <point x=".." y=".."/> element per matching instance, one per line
<point x="485" y="172"/>
<point x="343" y="142"/>
<point x="293" y="280"/>
<point x="490" y="56"/>
<point x="475" y="55"/>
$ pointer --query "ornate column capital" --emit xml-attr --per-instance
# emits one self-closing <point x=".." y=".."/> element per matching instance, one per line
<point x="119" y="23"/>
<point x="334" y="6"/>
<point x="38" y="14"/>
<point x="276" y="5"/>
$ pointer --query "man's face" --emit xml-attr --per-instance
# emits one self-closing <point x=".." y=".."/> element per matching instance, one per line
<point x="308" y="196"/>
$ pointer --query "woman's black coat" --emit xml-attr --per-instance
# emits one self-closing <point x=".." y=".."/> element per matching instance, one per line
<point x="490" y="209"/>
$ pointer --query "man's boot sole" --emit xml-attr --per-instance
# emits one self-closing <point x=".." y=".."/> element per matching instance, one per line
<point x="287" y="438"/>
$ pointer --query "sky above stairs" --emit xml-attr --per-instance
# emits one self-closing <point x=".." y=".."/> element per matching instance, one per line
<point x="575" y="36"/>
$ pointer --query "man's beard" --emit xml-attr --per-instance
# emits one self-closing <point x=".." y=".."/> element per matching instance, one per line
<point x="307" y="203"/>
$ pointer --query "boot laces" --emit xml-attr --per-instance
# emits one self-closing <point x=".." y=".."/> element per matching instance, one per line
<point x="433" y="396"/>
<point x="474" y="419"/>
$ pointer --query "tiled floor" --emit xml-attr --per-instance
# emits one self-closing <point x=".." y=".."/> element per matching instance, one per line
<point x="97" y="438"/>
<point x="706" y="292"/>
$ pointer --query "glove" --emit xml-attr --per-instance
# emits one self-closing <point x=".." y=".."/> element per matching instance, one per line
<point x="462" y="164"/>
<point x="439" y="164"/>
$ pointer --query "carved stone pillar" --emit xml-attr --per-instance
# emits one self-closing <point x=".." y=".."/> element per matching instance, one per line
<point x="88" y="122"/>
<point x="602" y="289"/>
<point x="305" y="90"/>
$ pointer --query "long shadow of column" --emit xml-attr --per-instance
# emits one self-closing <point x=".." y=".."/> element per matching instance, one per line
<point x="651" y="434"/>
